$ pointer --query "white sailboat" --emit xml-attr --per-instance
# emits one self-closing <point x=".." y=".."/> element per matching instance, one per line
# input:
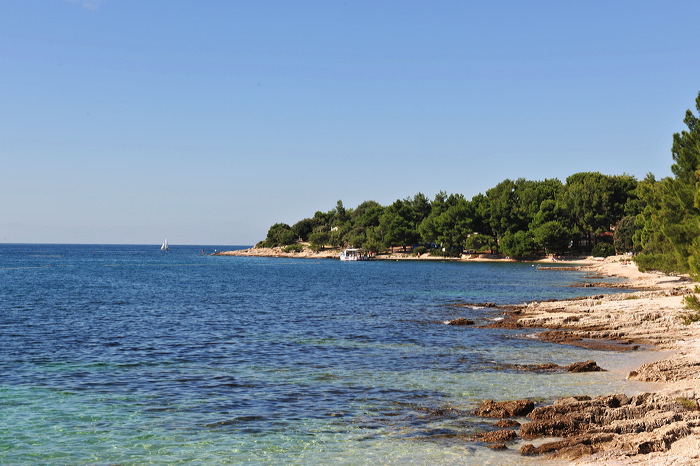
<point x="165" y="247"/>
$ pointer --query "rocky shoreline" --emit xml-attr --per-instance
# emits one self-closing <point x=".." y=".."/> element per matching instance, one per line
<point x="307" y="253"/>
<point x="663" y="427"/>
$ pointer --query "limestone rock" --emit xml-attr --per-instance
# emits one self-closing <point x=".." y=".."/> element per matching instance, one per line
<point x="460" y="321"/>
<point x="502" y="435"/>
<point x="492" y="408"/>
<point x="586" y="366"/>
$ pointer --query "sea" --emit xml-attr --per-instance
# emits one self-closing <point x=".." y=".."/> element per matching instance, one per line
<point x="126" y="354"/>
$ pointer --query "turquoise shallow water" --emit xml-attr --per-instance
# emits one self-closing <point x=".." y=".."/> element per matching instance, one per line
<point x="127" y="354"/>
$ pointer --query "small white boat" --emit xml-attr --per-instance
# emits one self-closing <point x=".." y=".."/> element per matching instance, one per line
<point x="354" y="254"/>
<point x="165" y="247"/>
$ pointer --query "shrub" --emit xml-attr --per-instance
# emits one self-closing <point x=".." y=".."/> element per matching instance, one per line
<point x="448" y="252"/>
<point x="691" y="302"/>
<point x="687" y="403"/>
<point x="420" y="250"/>
<point x="293" y="248"/>
<point x="689" y="318"/>
<point x="603" y="250"/>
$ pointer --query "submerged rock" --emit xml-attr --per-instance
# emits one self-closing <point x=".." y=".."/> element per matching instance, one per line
<point x="498" y="446"/>
<point x="492" y="408"/>
<point x="507" y="423"/>
<point x="502" y="435"/>
<point x="460" y="321"/>
<point x="546" y="367"/>
<point x="586" y="366"/>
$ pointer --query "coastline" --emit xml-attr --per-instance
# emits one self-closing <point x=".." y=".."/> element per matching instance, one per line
<point x="662" y="425"/>
<point x="334" y="253"/>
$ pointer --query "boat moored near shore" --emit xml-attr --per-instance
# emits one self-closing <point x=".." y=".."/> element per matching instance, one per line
<point x="354" y="254"/>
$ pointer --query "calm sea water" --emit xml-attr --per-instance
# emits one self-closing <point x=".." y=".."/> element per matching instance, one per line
<point x="128" y="354"/>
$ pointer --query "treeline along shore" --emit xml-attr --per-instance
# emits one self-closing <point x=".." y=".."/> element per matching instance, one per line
<point x="588" y="214"/>
<point x="656" y="223"/>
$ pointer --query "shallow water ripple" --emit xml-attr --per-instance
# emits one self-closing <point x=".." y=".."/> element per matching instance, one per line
<point x="129" y="354"/>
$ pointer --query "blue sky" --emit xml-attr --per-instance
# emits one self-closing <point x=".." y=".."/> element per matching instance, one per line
<point x="126" y="121"/>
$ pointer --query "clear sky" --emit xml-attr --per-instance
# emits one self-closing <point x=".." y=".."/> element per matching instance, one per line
<point x="126" y="121"/>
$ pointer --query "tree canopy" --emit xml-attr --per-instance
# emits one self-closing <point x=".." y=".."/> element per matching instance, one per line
<point x="660" y="219"/>
<point x="518" y="218"/>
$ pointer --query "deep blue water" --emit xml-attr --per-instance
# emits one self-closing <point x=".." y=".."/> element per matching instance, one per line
<point x="114" y="353"/>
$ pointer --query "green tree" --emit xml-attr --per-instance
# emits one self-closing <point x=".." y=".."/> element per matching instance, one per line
<point x="669" y="225"/>
<point x="530" y="195"/>
<point x="279" y="234"/>
<point x="518" y="245"/>
<point x="552" y="236"/>
<point x="503" y="209"/>
<point x="366" y="214"/>
<point x="398" y="225"/>
<point x="426" y="229"/>
<point x="304" y="227"/>
<point x="319" y="238"/>
<point x="453" y="225"/>
<point x="480" y="243"/>
<point x="397" y="230"/>
<point x="623" y="238"/>
<point x="421" y="207"/>
<point x="596" y="202"/>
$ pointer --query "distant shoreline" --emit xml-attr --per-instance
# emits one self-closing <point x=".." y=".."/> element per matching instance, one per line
<point x="334" y="253"/>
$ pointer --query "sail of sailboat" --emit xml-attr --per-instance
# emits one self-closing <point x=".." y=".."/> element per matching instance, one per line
<point x="165" y="247"/>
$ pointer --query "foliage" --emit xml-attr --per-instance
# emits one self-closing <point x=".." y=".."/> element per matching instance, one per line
<point x="603" y="250"/>
<point x="420" y="250"/>
<point x="691" y="302"/>
<point x="479" y="243"/>
<point x="519" y="218"/>
<point x="657" y="235"/>
<point x="304" y="227"/>
<point x="687" y="403"/>
<point x="518" y="245"/>
<point x="293" y="248"/>
<point x="525" y="216"/>
<point x="279" y="234"/>
<point x="596" y="202"/>
<point x="690" y="318"/>
<point x="552" y="236"/>
<point x="319" y="238"/>
<point x="658" y="219"/>
<point x="623" y="238"/>
<point x="446" y="252"/>
<point x="669" y="224"/>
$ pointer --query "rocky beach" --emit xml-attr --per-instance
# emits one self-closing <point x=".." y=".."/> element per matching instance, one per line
<point x="662" y="425"/>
